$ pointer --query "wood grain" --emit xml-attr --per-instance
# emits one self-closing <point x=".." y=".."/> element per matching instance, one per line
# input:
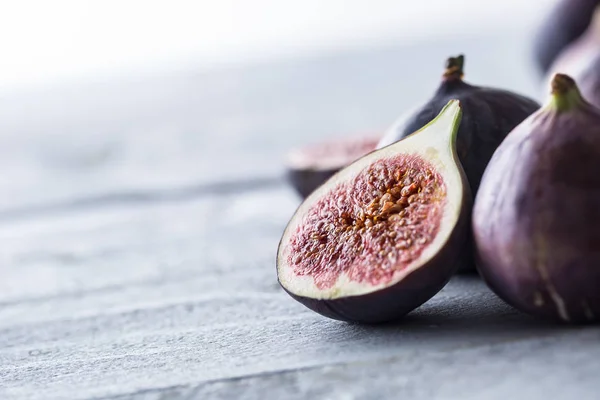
<point x="119" y="300"/>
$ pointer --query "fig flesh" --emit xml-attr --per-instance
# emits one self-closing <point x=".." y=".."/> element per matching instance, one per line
<point x="383" y="235"/>
<point x="308" y="167"/>
<point x="537" y="212"/>
<point x="488" y="115"/>
<point x="563" y="25"/>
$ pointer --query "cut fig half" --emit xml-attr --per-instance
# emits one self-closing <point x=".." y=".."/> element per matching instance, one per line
<point x="384" y="234"/>
<point x="308" y="167"/>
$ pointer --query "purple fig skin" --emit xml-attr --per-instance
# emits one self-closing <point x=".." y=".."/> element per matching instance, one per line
<point x="394" y="302"/>
<point x="581" y="61"/>
<point x="489" y="114"/>
<point x="589" y="80"/>
<point x="565" y="23"/>
<point x="586" y="72"/>
<point x="537" y="212"/>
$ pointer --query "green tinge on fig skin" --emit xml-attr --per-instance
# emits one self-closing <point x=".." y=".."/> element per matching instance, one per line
<point x="565" y="94"/>
<point x="537" y="212"/>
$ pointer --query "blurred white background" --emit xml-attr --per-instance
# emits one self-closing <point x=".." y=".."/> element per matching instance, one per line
<point x="114" y="97"/>
<point x="52" y="41"/>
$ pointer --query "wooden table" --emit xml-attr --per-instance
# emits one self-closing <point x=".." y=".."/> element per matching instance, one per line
<point x="139" y="220"/>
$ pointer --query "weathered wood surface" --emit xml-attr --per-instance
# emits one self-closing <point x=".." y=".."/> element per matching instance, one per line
<point x="143" y="268"/>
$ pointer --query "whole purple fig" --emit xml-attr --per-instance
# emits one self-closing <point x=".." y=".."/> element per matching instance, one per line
<point x="581" y="61"/>
<point x="536" y="218"/>
<point x="564" y="24"/>
<point x="488" y="115"/>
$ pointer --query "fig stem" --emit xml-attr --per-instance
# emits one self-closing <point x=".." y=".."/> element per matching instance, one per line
<point x="455" y="67"/>
<point x="565" y="93"/>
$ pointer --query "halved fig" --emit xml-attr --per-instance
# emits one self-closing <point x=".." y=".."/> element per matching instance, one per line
<point x="384" y="234"/>
<point x="308" y="167"/>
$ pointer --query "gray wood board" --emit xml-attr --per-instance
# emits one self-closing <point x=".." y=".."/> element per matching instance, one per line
<point x="128" y="138"/>
<point x="554" y="367"/>
<point x="180" y="299"/>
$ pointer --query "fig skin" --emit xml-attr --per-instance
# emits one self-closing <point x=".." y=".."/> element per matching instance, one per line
<point x="564" y="24"/>
<point x="536" y="216"/>
<point x="394" y="302"/>
<point x="489" y="114"/>
<point x="417" y="286"/>
<point x="306" y="178"/>
<point x="581" y="61"/>
<point x="589" y="81"/>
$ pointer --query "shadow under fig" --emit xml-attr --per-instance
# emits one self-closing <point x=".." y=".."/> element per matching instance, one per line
<point x="465" y="311"/>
